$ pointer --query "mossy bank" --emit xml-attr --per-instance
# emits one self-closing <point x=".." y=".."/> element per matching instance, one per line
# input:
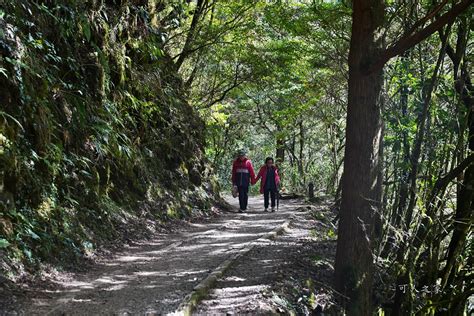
<point x="96" y="136"/>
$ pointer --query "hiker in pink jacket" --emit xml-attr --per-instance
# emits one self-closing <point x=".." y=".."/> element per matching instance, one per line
<point x="270" y="181"/>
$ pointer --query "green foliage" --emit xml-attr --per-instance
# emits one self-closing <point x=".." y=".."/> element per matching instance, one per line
<point x="95" y="136"/>
<point x="273" y="80"/>
<point x="264" y="82"/>
<point x="4" y="243"/>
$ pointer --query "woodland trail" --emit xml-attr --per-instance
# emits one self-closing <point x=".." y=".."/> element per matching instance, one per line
<point x="155" y="276"/>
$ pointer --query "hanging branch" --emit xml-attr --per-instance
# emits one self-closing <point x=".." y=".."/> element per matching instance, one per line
<point x="410" y="40"/>
<point x="443" y="182"/>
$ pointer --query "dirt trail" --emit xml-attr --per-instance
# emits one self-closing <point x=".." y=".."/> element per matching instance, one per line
<point x="289" y="274"/>
<point x="155" y="276"/>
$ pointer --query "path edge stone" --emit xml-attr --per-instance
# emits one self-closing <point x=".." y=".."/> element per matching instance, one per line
<point x="202" y="290"/>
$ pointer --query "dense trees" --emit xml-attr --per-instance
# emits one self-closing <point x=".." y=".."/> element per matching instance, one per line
<point x="278" y="88"/>
<point x="397" y="180"/>
<point x="360" y="225"/>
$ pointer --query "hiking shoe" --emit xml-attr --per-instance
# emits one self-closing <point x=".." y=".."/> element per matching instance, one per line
<point x="241" y="210"/>
<point x="273" y="209"/>
<point x="265" y="210"/>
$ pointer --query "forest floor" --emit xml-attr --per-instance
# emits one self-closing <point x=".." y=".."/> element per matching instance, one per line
<point x="288" y="272"/>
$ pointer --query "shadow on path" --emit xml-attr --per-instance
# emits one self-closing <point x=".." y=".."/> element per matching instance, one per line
<point x="153" y="276"/>
<point x="303" y="254"/>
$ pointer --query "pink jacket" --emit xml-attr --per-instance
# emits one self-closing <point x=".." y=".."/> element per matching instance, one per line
<point x="262" y="174"/>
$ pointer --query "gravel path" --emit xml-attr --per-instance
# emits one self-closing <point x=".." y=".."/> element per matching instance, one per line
<point x="154" y="276"/>
<point x="288" y="275"/>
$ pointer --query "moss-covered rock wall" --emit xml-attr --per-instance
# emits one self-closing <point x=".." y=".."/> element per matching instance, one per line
<point x="96" y="137"/>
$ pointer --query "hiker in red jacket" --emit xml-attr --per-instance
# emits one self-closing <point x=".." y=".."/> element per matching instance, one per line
<point x="242" y="176"/>
<point x="270" y="181"/>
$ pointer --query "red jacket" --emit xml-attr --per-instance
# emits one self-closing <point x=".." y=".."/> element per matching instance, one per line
<point x="262" y="174"/>
<point x="243" y="173"/>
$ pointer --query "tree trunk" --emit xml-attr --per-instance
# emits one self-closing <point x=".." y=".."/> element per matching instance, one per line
<point x="200" y="5"/>
<point x="280" y="147"/>
<point x="333" y="185"/>
<point x="301" y="154"/>
<point x="400" y="192"/>
<point x="403" y="301"/>
<point x="359" y="225"/>
<point x="406" y="147"/>
<point x="420" y="135"/>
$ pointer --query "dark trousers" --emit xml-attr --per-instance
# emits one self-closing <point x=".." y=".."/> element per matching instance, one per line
<point x="243" y="197"/>
<point x="269" y="193"/>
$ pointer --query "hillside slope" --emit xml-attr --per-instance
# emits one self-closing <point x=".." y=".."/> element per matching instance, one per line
<point x="96" y="137"/>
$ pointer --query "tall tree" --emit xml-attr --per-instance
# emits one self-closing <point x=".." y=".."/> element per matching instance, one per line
<point x="359" y="225"/>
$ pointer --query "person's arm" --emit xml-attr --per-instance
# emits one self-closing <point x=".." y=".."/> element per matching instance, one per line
<point x="277" y="178"/>
<point x="259" y="176"/>
<point x="253" y="179"/>
<point x="233" y="173"/>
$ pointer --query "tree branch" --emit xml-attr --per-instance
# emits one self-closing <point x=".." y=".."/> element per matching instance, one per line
<point x="443" y="182"/>
<point x="235" y="83"/>
<point x="192" y="30"/>
<point x="411" y="40"/>
<point x="428" y="17"/>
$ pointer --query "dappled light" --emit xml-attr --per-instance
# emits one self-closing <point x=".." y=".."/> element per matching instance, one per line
<point x="158" y="269"/>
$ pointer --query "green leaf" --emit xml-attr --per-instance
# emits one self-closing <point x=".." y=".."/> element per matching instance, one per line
<point x="28" y="254"/>
<point x="331" y="234"/>
<point x="6" y="115"/>
<point x="4" y="243"/>
<point x="32" y="234"/>
<point x="86" y="30"/>
<point x="3" y="72"/>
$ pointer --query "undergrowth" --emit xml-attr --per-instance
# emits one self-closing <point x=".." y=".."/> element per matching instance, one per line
<point x="95" y="134"/>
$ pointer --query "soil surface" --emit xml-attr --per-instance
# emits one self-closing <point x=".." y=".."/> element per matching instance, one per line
<point x="288" y="275"/>
<point x="154" y="276"/>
